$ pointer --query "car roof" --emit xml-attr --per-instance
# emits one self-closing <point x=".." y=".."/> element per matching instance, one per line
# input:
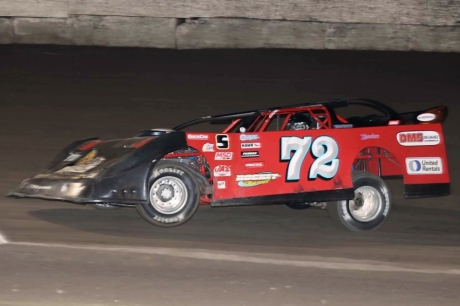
<point x="330" y="104"/>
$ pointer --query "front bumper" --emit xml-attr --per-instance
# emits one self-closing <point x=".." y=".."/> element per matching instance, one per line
<point x="82" y="191"/>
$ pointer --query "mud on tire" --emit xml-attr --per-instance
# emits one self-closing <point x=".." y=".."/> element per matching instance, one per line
<point x="173" y="195"/>
<point x="370" y="207"/>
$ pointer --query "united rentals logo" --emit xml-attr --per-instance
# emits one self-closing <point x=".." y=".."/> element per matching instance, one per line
<point x="418" y="138"/>
<point x="424" y="165"/>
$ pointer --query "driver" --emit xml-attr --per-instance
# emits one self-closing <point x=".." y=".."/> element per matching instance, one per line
<point x="298" y="122"/>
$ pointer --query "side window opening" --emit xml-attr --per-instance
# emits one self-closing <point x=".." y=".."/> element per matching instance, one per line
<point x="276" y="122"/>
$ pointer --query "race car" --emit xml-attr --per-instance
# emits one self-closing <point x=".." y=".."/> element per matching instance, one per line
<point x="303" y="155"/>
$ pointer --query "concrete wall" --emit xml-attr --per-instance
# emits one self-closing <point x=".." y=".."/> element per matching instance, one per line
<point x="424" y="25"/>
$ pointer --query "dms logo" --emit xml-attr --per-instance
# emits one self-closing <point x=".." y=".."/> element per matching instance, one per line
<point x="418" y="138"/>
<point x="424" y="165"/>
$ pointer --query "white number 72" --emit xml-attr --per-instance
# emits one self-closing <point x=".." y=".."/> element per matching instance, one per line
<point x="324" y="149"/>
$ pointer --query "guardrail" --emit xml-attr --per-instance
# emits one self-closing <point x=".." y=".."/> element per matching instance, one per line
<point x="185" y="24"/>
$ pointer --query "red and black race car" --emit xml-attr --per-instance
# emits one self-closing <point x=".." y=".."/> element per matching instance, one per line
<point x="299" y="155"/>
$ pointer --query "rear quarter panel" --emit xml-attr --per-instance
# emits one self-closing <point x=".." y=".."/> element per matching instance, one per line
<point x="324" y="163"/>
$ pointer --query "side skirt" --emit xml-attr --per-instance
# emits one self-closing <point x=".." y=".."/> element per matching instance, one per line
<point x="290" y="198"/>
<point x="426" y="190"/>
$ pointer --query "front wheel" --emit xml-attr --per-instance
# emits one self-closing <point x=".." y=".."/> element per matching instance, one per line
<point x="368" y="210"/>
<point x="173" y="195"/>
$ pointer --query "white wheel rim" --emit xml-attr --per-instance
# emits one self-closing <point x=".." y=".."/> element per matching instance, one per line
<point x="168" y="195"/>
<point x="372" y="204"/>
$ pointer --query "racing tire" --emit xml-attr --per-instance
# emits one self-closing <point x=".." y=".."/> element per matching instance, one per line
<point x="173" y="195"/>
<point x="368" y="210"/>
<point x="104" y="206"/>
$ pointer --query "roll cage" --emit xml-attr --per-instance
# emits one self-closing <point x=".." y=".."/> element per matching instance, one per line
<point x="323" y="113"/>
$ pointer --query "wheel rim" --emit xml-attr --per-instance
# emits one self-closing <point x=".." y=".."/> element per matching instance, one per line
<point x="168" y="195"/>
<point x="367" y="204"/>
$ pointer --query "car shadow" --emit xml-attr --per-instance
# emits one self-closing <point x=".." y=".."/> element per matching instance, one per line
<point x="265" y="225"/>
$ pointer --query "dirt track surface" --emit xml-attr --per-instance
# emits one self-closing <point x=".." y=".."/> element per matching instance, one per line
<point x="62" y="254"/>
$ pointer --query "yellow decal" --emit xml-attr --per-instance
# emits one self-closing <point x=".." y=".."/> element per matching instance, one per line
<point x="88" y="158"/>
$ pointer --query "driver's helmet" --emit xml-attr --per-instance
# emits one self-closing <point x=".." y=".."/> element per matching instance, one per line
<point x="298" y="122"/>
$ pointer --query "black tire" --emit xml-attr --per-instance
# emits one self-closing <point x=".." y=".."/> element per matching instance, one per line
<point x="104" y="206"/>
<point x="168" y="181"/>
<point x="349" y="216"/>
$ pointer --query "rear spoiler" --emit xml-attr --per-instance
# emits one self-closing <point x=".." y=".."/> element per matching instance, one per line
<point x="436" y="114"/>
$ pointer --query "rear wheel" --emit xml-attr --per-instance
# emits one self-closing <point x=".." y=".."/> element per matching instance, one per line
<point x="368" y="210"/>
<point x="173" y="195"/>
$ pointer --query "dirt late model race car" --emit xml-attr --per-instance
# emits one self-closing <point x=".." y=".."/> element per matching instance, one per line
<point x="299" y="155"/>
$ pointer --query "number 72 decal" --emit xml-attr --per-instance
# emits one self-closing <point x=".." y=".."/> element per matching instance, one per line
<point x="324" y="150"/>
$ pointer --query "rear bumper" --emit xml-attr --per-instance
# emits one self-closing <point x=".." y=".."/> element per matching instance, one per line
<point x="426" y="190"/>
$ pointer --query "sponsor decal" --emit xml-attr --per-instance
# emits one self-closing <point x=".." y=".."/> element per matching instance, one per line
<point x="370" y="136"/>
<point x="89" y="162"/>
<point x="424" y="165"/>
<point x="88" y="158"/>
<point x="222" y="142"/>
<point x="418" y="138"/>
<point x="393" y="122"/>
<point x="72" y="157"/>
<point x="168" y="220"/>
<point x="324" y="150"/>
<point x="220" y="184"/>
<point x="252" y="180"/>
<point x="38" y="187"/>
<point x="254" y="165"/>
<point x="158" y="172"/>
<point x="272" y="113"/>
<point x="249" y="154"/>
<point x="223" y="156"/>
<point x="247" y="137"/>
<point x="222" y="170"/>
<point x="197" y="137"/>
<point x="208" y="147"/>
<point x="250" y="145"/>
<point x="342" y="126"/>
<point x="425" y="117"/>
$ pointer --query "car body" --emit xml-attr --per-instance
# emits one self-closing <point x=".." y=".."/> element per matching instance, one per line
<point x="296" y="155"/>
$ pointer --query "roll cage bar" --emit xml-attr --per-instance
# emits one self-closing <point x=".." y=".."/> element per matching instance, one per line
<point x="330" y="105"/>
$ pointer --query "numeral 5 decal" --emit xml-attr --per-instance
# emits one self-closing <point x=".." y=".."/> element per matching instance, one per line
<point x="324" y="150"/>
